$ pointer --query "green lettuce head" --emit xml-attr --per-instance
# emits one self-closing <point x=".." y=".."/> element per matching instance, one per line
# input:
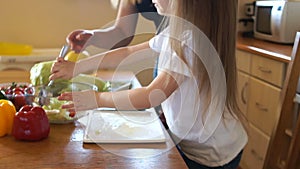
<point x="40" y="72"/>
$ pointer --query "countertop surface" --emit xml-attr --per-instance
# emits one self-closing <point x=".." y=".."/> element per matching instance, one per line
<point x="276" y="51"/>
<point x="64" y="148"/>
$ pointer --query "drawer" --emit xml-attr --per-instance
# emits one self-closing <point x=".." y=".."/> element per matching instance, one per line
<point x="255" y="151"/>
<point x="268" y="70"/>
<point x="263" y="105"/>
<point x="243" y="61"/>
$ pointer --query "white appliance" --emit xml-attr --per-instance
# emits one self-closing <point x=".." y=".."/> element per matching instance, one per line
<point x="276" y="21"/>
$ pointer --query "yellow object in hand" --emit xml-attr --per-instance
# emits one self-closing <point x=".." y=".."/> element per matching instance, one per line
<point x="74" y="57"/>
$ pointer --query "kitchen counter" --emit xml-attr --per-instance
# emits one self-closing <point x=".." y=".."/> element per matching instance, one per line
<point x="279" y="52"/>
<point x="64" y="148"/>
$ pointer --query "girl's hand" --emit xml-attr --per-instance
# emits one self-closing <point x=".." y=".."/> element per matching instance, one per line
<point x="83" y="100"/>
<point x="78" y="38"/>
<point x="62" y="69"/>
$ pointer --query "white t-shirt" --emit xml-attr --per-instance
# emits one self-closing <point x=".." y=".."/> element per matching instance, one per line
<point x="209" y="135"/>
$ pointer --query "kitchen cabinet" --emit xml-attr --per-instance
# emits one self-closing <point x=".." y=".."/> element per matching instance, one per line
<point x="13" y="71"/>
<point x="260" y="82"/>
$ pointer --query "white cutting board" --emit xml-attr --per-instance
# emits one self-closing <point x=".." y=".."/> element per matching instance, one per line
<point x="107" y="126"/>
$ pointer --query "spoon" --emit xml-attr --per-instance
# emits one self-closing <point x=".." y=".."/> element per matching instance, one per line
<point x="45" y="94"/>
<point x="63" y="52"/>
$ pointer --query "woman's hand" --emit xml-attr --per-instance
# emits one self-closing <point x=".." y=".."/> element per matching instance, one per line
<point x="78" y="38"/>
<point x="62" y="69"/>
<point x="83" y="100"/>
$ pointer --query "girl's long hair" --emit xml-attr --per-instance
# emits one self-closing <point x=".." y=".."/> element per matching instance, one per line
<point x="217" y="20"/>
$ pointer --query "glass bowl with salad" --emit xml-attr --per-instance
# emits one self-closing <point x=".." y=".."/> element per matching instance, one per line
<point x="55" y="113"/>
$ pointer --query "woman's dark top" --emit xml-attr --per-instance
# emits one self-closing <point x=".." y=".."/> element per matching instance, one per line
<point x="148" y="10"/>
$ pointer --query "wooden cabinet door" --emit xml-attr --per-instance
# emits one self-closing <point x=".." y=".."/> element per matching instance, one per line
<point x="263" y="105"/>
<point x="243" y="61"/>
<point x="255" y="151"/>
<point x="268" y="70"/>
<point x="243" y="86"/>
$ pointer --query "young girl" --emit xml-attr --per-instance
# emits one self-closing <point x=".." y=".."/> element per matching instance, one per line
<point x="196" y="83"/>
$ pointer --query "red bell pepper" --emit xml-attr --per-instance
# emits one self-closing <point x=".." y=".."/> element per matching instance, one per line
<point x="31" y="123"/>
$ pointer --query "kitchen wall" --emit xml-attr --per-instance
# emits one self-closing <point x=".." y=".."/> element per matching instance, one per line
<point x="46" y="23"/>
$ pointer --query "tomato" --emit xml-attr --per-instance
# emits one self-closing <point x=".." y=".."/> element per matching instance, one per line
<point x="8" y="92"/>
<point x="20" y="95"/>
<point x="72" y="114"/>
<point x="19" y="100"/>
<point x="28" y="90"/>
<point x="18" y="90"/>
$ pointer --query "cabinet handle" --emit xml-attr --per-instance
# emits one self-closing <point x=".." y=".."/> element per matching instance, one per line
<point x="243" y="97"/>
<point x="265" y="70"/>
<point x="261" y="107"/>
<point x="254" y="153"/>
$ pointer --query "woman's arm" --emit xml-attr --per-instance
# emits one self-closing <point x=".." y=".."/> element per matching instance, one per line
<point x="122" y="32"/>
<point x="118" y="35"/>
<point x="141" y="98"/>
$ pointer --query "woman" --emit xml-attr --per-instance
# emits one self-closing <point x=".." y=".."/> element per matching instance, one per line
<point x="123" y="30"/>
<point x="196" y="84"/>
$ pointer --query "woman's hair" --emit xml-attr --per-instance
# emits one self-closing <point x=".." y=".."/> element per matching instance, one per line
<point x="217" y="20"/>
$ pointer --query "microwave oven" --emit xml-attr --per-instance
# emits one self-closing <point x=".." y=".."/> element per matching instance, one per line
<point x="276" y="21"/>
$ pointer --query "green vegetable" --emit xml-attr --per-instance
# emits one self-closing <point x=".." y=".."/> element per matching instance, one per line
<point x="2" y="95"/>
<point x="59" y="113"/>
<point x="89" y="79"/>
<point x="40" y="72"/>
<point x="39" y="75"/>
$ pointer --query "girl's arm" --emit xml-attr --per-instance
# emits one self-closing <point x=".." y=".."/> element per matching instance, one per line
<point x="113" y="58"/>
<point x="141" y="98"/>
<point x="107" y="60"/>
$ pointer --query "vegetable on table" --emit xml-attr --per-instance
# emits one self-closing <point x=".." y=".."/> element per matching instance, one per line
<point x="40" y="72"/>
<point x="7" y="113"/>
<point x="31" y="123"/>
<point x="18" y="94"/>
<point x="2" y="95"/>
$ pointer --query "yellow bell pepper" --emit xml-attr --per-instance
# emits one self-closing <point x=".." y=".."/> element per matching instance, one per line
<point x="7" y="113"/>
<point x="74" y="57"/>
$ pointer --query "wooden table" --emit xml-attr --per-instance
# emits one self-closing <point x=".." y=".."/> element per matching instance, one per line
<point x="64" y="148"/>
